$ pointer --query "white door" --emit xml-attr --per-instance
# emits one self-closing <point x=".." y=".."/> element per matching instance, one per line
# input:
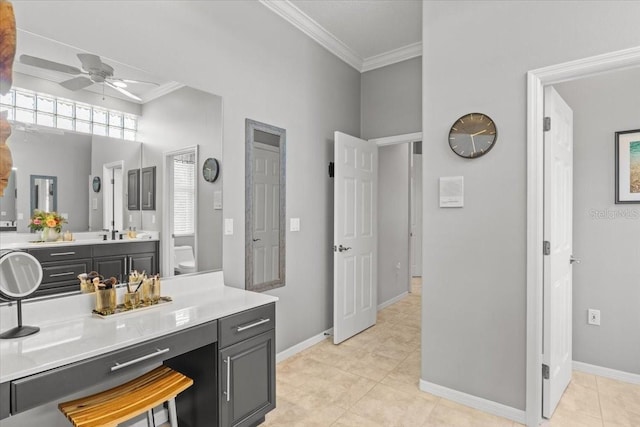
<point x="266" y="221"/>
<point x="416" y="215"/>
<point x="558" y="215"/>
<point x="354" y="236"/>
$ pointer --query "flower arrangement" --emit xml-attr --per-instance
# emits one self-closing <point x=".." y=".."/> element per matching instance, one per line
<point x="41" y="220"/>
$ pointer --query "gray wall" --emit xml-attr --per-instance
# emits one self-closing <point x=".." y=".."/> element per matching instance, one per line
<point x="606" y="236"/>
<point x="66" y="156"/>
<point x="474" y="312"/>
<point x="392" y="100"/>
<point x="184" y="118"/>
<point x="264" y="69"/>
<point x="393" y="221"/>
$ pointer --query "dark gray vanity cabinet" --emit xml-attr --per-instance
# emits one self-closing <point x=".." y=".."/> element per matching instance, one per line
<point x="61" y="267"/>
<point x="118" y="259"/>
<point x="246" y="367"/>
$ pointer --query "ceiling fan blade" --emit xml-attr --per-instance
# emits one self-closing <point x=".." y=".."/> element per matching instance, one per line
<point x="76" y="83"/>
<point x="123" y="91"/>
<point x="135" y="81"/>
<point x="90" y="61"/>
<point x="49" y="65"/>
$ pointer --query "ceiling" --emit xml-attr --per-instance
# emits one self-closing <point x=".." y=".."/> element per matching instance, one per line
<point x="41" y="47"/>
<point x="367" y="34"/>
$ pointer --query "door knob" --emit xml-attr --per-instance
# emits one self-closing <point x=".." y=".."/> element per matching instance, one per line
<point x="342" y="248"/>
<point x="256" y="240"/>
<point x="573" y="260"/>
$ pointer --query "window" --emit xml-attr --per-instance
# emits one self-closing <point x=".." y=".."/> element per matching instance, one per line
<point x="46" y="110"/>
<point x="184" y="194"/>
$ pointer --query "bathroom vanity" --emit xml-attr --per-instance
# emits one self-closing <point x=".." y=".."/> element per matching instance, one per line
<point x="222" y="337"/>
<point x="62" y="262"/>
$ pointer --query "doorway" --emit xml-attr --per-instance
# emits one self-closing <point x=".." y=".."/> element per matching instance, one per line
<point x="113" y="195"/>
<point x="180" y="249"/>
<point x="537" y="81"/>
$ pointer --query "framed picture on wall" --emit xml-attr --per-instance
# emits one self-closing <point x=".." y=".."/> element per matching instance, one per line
<point x="628" y="166"/>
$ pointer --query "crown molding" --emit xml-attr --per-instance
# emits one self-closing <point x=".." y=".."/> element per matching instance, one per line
<point x="161" y="91"/>
<point x="307" y="25"/>
<point x="393" y="56"/>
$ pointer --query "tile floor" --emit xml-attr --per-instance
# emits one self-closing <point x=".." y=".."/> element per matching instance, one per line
<point x="371" y="380"/>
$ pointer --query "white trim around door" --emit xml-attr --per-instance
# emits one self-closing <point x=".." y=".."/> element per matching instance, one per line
<point x="536" y="80"/>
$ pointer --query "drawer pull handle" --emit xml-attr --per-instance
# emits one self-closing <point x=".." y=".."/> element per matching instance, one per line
<point x="62" y="253"/>
<point x="68" y="273"/>
<point x="158" y="352"/>
<point x="228" y="393"/>
<point x="252" y="325"/>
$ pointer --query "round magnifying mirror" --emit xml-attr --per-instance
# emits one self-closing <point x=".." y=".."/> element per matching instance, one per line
<point x="20" y="277"/>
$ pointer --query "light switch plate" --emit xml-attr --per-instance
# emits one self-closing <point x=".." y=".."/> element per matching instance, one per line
<point x="94" y="204"/>
<point x="20" y="216"/>
<point x="295" y="224"/>
<point x="217" y="200"/>
<point x="228" y="226"/>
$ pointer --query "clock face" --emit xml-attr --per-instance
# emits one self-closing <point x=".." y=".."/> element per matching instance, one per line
<point x="473" y="135"/>
<point x="210" y="169"/>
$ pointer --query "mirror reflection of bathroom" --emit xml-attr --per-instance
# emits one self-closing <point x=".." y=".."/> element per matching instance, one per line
<point x="44" y="193"/>
<point x="8" y="208"/>
<point x="181" y="171"/>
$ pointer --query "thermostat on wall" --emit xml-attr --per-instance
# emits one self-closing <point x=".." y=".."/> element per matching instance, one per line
<point x="451" y="191"/>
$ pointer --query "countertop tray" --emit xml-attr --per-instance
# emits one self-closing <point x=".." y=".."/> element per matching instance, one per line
<point x="120" y="309"/>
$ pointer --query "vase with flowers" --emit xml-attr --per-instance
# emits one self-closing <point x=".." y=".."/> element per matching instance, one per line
<point x="48" y="223"/>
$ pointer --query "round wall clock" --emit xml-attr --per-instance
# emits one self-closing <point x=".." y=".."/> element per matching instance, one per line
<point x="96" y="184"/>
<point x="210" y="169"/>
<point x="473" y="135"/>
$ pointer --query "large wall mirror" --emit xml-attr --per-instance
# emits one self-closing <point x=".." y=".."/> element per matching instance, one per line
<point x="265" y="206"/>
<point x="170" y="116"/>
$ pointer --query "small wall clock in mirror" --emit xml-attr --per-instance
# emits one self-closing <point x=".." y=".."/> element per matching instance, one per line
<point x="211" y="169"/>
<point x="473" y="135"/>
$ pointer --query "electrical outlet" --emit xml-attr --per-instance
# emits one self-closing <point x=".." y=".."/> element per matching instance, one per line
<point x="594" y="317"/>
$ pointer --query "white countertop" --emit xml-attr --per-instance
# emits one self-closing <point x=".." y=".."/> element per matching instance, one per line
<point x="27" y="240"/>
<point x="69" y="332"/>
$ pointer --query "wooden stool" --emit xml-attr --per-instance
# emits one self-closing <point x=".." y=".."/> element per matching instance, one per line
<point x="121" y="403"/>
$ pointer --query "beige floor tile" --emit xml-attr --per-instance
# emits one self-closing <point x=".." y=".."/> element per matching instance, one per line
<point x="580" y="399"/>
<point x="371" y="365"/>
<point x="449" y="414"/>
<point x="393" y="408"/>
<point x="349" y="419"/>
<point x="302" y="411"/>
<point x="584" y="379"/>
<point x="562" y="418"/>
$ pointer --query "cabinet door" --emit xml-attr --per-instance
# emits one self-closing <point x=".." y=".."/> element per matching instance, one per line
<point x="146" y="262"/>
<point x="111" y="266"/>
<point x="247" y="381"/>
<point x="149" y="188"/>
<point x="133" y="189"/>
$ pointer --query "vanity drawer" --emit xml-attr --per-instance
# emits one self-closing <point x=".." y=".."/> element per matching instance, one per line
<point x="57" y="288"/>
<point x="61" y="254"/>
<point x="124" y="248"/>
<point x="55" y="384"/>
<point x="64" y="271"/>
<point x="246" y="324"/>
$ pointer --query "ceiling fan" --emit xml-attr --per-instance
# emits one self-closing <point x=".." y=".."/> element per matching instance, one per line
<point x="93" y="71"/>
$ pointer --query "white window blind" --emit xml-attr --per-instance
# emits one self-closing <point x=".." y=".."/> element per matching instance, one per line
<point x="184" y="194"/>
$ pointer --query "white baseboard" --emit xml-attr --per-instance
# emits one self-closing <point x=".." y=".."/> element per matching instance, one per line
<point x="606" y="372"/>
<point x="293" y="350"/>
<point x="475" y="402"/>
<point x="392" y="300"/>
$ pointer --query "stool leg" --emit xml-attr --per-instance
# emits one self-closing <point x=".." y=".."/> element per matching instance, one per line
<point x="173" y="416"/>
<point x="151" y="422"/>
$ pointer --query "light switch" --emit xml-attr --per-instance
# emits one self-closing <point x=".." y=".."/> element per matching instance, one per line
<point x="295" y="224"/>
<point x="20" y="216"/>
<point x="94" y="204"/>
<point x="153" y="219"/>
<point x="3" y="213"/>
<point x="228" y="226"/>
<point x="217" y="200"/>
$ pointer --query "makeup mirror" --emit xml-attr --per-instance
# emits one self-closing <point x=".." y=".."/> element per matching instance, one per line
<point x="20" y="276"/>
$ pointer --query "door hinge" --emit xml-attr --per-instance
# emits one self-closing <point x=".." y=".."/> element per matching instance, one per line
<point x="547" y="247"/>
<point x="545" y="372"/>
<point x="331" y="170"/>
<point x="113" y="181"/>
<point x="547" y="124"/>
